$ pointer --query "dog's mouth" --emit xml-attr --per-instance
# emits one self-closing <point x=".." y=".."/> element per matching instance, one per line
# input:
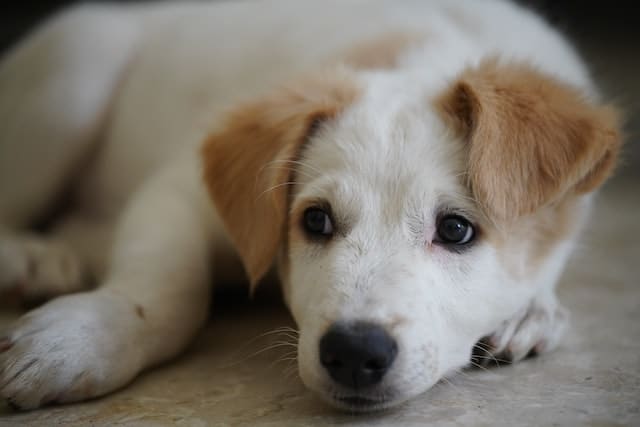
<point x="358" y="403"/>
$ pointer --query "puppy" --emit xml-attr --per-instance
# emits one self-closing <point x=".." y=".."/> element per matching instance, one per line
<point x="417" y="173"/>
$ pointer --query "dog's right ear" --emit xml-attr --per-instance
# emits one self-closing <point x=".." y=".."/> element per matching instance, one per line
<point x="245" y="163"/>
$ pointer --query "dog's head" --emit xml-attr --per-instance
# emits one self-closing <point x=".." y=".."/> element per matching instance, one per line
<point x="407" y="221"/>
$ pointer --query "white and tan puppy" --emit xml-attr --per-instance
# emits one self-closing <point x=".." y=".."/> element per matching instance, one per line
<point x="417" y="172"/>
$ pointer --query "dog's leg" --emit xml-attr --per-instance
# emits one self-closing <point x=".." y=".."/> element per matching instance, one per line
<point x="154" y="299"/>
<point x="55" y="92"/>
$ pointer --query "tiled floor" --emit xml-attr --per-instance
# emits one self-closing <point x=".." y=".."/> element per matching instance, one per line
<point x="593" y="380"/>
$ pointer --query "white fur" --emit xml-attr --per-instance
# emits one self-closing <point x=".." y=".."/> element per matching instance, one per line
<point x="131" y="91"/>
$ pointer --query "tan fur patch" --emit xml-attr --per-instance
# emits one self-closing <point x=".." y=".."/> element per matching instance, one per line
<point x="524" y="245"/>
<point x="245" y="162"/>
<point x="549" y="227"/>
<point x="383" y="52"/>
<point x="532" y="139"/>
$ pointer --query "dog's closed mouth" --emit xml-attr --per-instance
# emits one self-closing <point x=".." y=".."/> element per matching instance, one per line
<point x="361" y="403"/>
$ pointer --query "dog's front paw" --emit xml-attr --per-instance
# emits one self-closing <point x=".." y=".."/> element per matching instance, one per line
<point x="537" y="329"/>
<point x="33" y="269"/>
<point x="71" y="349"/>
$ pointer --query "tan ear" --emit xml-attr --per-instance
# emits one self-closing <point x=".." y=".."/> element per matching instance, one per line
<point x="532" y="139"/>
<point x="242" y="163"/>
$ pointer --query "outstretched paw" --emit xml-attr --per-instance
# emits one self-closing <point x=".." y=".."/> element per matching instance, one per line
<point x="537" y="329"/>
<point x="73" y="348"/>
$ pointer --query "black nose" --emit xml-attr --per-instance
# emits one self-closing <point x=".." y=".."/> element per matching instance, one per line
<point x="357" y="355"/>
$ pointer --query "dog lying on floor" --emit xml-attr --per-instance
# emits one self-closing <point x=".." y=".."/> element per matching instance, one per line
<point x="417" y="172"/>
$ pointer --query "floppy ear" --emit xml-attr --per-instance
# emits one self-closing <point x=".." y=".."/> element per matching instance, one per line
<point x="531" y="138"/>
<point x="245" y="166"/>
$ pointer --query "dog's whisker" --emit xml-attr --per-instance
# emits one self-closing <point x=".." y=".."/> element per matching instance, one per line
<point x="290" y="371"/>
<point x="492" y="358"/>
<point x="454" y="387"/>
<point x="286" y="343"/>
<point x="280" y="330"/>
<point x="283" y="184"/>
<point x="467" y="378"/>
<point x="274" y="164"/>
<point x="286" y="332"/>
<point x="470" y="381"/>
<point x="286" y="359"/>
<point x="294" y="171"/>
<point x="283" y="164"/>
<point x="483" y="346"/>
<point x="479" y="366"/>
<point x="299" y="163"/>
<point x="289" y="329"/>
<point x="289" y="333"/>
<point x="290" y="169"/>
<point x="461" y="372"/>
<point x="487" y="349"/>
<point x="270" y="347"/>
<point x="273" y="346"/>
<point x="290" y="338"/>
<point x="290" y="358"/>
<point x="276" y="331"/>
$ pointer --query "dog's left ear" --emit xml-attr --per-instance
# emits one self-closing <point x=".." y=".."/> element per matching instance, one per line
<point x="246" y="163"/>
<point x="531" y="139"/>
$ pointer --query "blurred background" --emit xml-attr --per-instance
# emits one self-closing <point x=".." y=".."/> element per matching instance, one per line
<point x="606" y="33"/>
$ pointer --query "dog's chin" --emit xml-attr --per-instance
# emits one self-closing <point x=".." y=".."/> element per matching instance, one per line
<point x="362" y="402"/>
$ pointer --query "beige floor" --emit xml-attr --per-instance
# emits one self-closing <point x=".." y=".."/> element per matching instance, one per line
<point x="593" y="380"/>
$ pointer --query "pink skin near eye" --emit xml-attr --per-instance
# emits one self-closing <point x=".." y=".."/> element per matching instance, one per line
<point x="429" y="235"/>
<point x="437" y="250"/>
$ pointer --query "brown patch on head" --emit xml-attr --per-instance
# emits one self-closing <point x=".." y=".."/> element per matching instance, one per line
<point x="532" y="140"/>
<point x="245" y="163"/>
<point x="383" y="52"/>
<point x="139" y="311"/>
<point x="549" y="227"/>
<point x="524" y="245"/>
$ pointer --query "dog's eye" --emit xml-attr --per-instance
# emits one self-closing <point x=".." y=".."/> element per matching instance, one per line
<point x="317" y="222"/>
<point x="454" y="230"/>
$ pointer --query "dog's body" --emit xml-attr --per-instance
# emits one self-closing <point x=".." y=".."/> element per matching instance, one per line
<point x="382" y="139"/>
